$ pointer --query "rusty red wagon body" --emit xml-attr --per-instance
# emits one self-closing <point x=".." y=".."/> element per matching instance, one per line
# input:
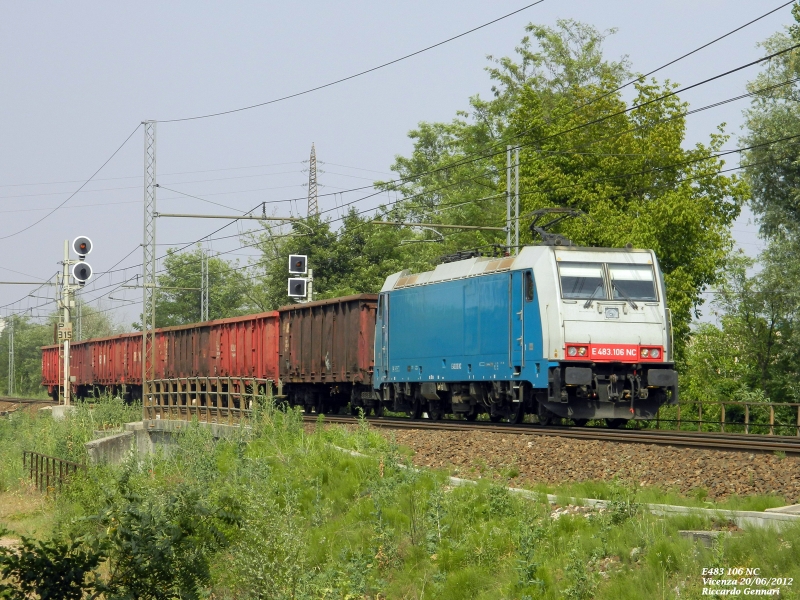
<point x="327" y="353"/>
<point x="319" y="355"/>
<point x="239" y="347"/>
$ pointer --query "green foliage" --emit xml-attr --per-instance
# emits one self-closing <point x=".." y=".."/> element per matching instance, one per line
<point x="280" y="511"/>
<point x="355" y="259"/>
<point x="52" y="569"/>
<point x="29" y="337"/>
<point x="753" y="353"/>
<point x="228" y="294"/>
<point x="774" y="170"/>
<point x="39" y="432"/>
<point x="153" y="547"/>
<point x="581" y="147"/>
<point x="159" y="546"/>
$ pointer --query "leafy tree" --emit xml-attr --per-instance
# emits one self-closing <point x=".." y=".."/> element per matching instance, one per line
<point x="583" y="147"/>
<point x="95" y="322"/>
<point x="759" y="315"/>
<point x="773" y="169"/>
<point x="29" y="337"/>
<point x="355" y="259"/>
<point x="154" y="548"/>
<point x="51" y="569"/>
<point x="179" y="300"/>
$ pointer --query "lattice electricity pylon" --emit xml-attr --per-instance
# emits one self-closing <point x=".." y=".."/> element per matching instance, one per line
<point x="149" y="265"/>
<point x="313" y="208"/>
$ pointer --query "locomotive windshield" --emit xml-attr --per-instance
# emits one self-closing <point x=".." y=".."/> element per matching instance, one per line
<point x="581" y="281"/>
<point x="635" y="282"/>
<point x="586" y="281"/>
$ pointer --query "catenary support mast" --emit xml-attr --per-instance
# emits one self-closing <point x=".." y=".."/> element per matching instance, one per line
<point x="204" y="311"/>
<point x="11" y="356"/>
<point x="508" y="199"/>
<point x="149" y="265"/>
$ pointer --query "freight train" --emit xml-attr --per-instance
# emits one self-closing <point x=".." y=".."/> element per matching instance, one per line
<point x="555" y="331"/>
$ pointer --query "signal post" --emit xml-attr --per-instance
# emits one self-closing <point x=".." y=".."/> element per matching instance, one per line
<point x="81" y="272"/>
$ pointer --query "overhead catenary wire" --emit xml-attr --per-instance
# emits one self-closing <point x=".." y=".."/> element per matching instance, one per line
<point x="656" y="99"/>
<point x="113" y="154"/>
<point x="355" y="75"/>
<point x="398" y="60"/>
<point x="624" y="175"/>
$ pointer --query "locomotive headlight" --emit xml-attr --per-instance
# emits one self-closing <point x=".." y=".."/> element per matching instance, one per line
<point x="655" y="353"/>
<point x="645" y="352"/>
<point x="582" y="351"/>
<point x="572" y="351"/>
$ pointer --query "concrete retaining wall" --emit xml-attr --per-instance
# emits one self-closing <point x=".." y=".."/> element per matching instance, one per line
<point x="112" y="449"/>
<point x="146" y="437"/>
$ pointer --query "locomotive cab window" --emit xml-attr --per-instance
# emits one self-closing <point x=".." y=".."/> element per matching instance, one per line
<point x="582" y="281"/>
<point x="528" y="286"/>
<point x="634" y="282"/>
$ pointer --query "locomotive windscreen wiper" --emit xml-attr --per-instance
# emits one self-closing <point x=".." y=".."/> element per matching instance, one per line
<point x="588" y="303"/>
<point x="624" y="295"/>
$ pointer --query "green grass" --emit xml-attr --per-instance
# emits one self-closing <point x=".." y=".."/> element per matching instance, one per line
<point x="609" y="490"/>
<point x="321" y="523"/>
<point x="39" y="432"/>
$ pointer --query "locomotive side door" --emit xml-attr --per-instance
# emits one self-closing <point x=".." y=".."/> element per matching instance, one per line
<point x="516" y="321"/>
<point x="383" y="322"/>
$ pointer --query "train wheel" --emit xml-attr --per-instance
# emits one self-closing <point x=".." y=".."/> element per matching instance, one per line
<point x="378" y="410"/>
<point x="416" y="409"/>
<point x="546" y="416"/>
<point x="517" y="414"/>
<point x="495" y="418"/>
<point x="580" y="422"/>
<point x="471" y="416"/>
<point x="615" y="423"/>
<point x="434" y="411"/>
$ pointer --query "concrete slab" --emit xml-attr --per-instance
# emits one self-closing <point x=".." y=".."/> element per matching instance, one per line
<point x="793" y="509"/>
<point x="59" y="411"/>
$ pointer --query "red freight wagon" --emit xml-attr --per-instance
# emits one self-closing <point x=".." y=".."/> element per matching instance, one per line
<point x="327" y="352"/>
<point x="98" y="365"/>
<point x="240" y="347"/>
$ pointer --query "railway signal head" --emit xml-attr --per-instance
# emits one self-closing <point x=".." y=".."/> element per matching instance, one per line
<point x="82" y="272"/>
<point x="298" y="287"/>
<point x="82" y="245"/>
<point x="298" y="264"/>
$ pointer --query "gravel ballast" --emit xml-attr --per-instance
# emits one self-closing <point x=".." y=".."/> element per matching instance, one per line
<point x="533" y="459"/>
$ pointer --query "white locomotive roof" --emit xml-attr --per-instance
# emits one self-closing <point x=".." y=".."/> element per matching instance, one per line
<point x="482" y="265"/>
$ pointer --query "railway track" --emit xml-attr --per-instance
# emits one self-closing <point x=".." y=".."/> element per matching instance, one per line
<point x="710" y="441"/>
<point x="10" y="405"/>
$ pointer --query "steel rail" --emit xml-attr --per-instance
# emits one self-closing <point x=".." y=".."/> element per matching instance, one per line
<point x="27" y="400"/>
<point x="707" y="440"/>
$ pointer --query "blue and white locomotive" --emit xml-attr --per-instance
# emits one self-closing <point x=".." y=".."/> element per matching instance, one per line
<point x="556" y="331"/>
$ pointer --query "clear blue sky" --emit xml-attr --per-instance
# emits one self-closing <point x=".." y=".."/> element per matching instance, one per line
<point x="78" y="77"/>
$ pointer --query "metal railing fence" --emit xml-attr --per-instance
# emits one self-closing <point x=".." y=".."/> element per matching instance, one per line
<point x="769" y="418"/>
<point x="48" y="472"/>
